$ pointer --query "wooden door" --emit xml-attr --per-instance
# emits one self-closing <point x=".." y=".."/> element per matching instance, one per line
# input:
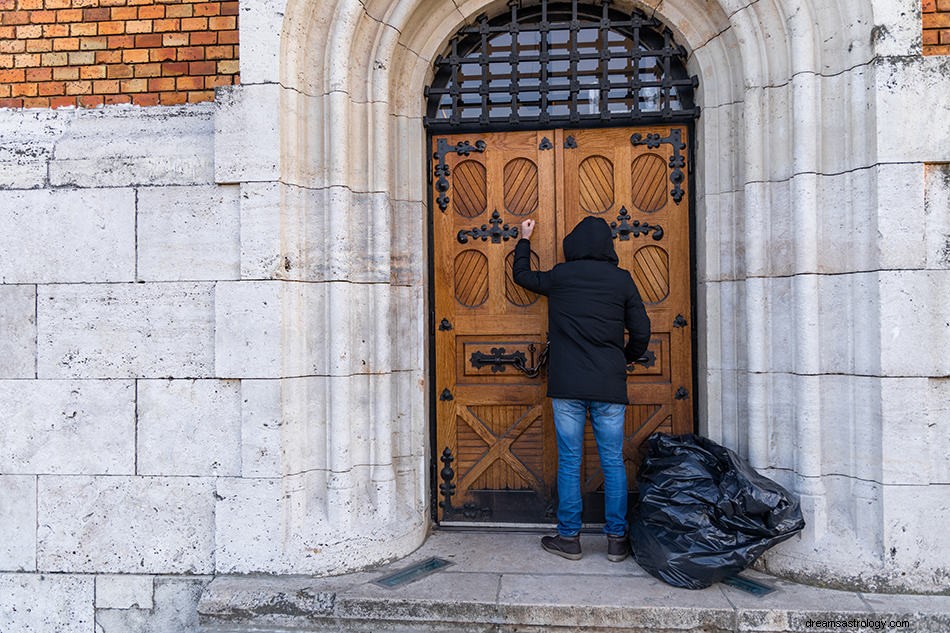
<point x="494" y="430"/>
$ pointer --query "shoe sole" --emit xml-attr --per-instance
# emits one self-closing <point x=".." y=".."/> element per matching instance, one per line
<point x="616" y="558"/>
<point x="566" y="555"/>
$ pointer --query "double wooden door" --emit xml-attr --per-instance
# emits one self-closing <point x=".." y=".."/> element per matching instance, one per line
<point x="494" y="430"/>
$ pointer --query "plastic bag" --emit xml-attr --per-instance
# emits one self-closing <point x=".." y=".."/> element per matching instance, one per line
<point x="704" y="514"/>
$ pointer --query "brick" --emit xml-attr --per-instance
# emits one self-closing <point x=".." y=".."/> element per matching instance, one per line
<point x="161" y="84"/>
<point x="174" y="68"/>
<point x="13" y="103"/>
<point x="229" y="67"/>
<point x="58" y="4"/>
<point x="945" y="36"/>
<point x="931" y="37"/>
<point x="39" y="74"/>
<point x="62" y="102"/>
<point x="135" y="56"/>
<point x="124" y="13"/>
<point x="115" y="99"/>
<point x="929" y="6"/>
<point x="66" y="44"/>
<point x="30" y="5"/>
<point x="5" y="91"/>
<point x="138" y="26"/>
<point x="148" y="70"/>
<point x="151" y="12"/>
<point x="201" y="96"/>
<point x="219" y="52"/>
<point x="50" y="88"/>
<point x="79" y="87"/>
<point x="83" y="28"/>
<point x="173" y="98"/>
<point x="191" y="53"/>
<point x="24" y="90"/>
<point x="194" y="24"/>
<point x="229" y="8"/>
<point x="69" y="15"/>
<point x="133" y="85"/>
<point x="12" y="76"/>
<point x="162" y="54"/>
<point x="201" y="68"/>
<point x="91" y="101"/>
<point x="208" y="9"/>
<point x="93" y="43"/>
<point x="7" y="5"/>
<point x="111" y="28"/>
<point x="122" y="41"/>
<point x="36" y="102"/>
<point x="145" y="99"/>
<point x="202" y="38"/>
<point x="7" y="32"/>
<point x="943" y="5"/>
<point x="937" y="50"/>
<point x="43" y="17"/>
<point x="179" y="11"/>
<point x="96" y="15"/>
<point x="39" y="46"/>
<point x="149" y="40"/>
<point x="82" y="58"/>
<point x="170" y="24"/>
<point x="92" y="72"/>
<point x="105" y="86"/>
<point x="55" y="59"/>
<point x="189" y="83"/>
<point x="119" y="71"/>
<point x="936" y="20"/>
<point x="66" y="73"/>
<point x="109" y="57"/>
<point x="29" y="31"/>
<point x="55" y="30"/>
<point x="214" y="81"/>
<point x="14" y="17"/>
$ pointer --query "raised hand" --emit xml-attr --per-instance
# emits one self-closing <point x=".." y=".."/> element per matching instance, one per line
<point x="527" y="228"/>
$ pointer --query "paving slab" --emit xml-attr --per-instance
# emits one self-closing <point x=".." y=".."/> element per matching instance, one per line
<point x="502" y="582"/>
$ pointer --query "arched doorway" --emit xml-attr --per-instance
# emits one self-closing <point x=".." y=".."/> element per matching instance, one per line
<point x="553" y="110"/>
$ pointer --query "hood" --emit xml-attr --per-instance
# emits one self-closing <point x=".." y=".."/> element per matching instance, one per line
<point x="590" y="239"/>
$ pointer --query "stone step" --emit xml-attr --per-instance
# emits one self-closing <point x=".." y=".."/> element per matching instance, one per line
<point x="506" y="583"/>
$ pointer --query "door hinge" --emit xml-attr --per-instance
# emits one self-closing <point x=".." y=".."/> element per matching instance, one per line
<point x="446" y="395"/>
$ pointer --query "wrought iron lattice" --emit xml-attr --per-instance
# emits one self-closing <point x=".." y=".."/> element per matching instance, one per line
<point x="550" y="64"/>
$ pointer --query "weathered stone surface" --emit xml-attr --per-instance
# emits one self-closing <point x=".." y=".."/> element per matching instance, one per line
<point x="262" y="428"/>
<point x="915" y="322"/>
<point x="146" y="525"/>
<point x="937" y="214"/>
<point x="119" y="147"/>
<point x="27" y="138"/>
<point x="67" y="235"/>
<point x="174" y="610"/>
<point x="904" y="138"/>
<point x="246" y="144"/>
<point x="189" y="427"/>
<point x="17" y="331"/>
<point x="124" y="331"/>
<point x="188" y="233"/>
<point x="39" y="603"/>
<point x="17" y="523"/>
<point x="124" y="591"/>
<point x="67" y="427"/>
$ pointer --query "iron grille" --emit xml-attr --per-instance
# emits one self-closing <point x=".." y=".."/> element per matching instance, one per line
<point x="552" y="64"/>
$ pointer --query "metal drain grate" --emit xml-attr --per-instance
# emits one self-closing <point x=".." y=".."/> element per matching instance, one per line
<point x="748" y="585"/>
<point x="412" y="573"/>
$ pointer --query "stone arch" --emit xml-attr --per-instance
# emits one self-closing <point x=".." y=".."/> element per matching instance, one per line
<point x="332" y="226"/>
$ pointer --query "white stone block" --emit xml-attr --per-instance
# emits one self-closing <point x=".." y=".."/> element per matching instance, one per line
<point x="915" y="544"/>
<point x="937" y="214"/>
<point x="188" y="233"/>
<point x="17" y="523"/>
<point x="262" y="427"/>
<point x="246" y="133"/>
<point x="904" y="139"/>
<point x="848" y="324"/>
<point x="248" y="329"/>
<point x="189" y="427"/>
<point x="17" y="331"/>
<point x="895" y="31"/>
<point x="67" y="235"/>
<point x="915" y="433"/>
<point x="67" y="427"/>
<point x="915" y="323"/>
<point x="408" y="261"/>
<point x="124" y="331"/>
<point x="261" y="24"/>
<point x="124" y="591"/>
<point x="145" y="525"/>
<point x="41" y="603"/>
<point x="851" y="426"/>
<point x="119" y="147"/>
<point x="27" y="138"/>
<point x="175" y="609"/>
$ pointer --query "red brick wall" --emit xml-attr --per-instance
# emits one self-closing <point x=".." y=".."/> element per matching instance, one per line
<point x="936" y="27"/>
<point x="87" y="53"/>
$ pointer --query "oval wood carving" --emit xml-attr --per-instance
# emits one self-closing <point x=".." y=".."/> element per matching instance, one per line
<point x="651" y="271"/>
<point x="521" y="186"/>
<point x="596" y="184"/>
<point x="513" y="292"/>
<point x="469" y="188"/>
<point x="471" y="278"/>
<point x="648" y="178"/>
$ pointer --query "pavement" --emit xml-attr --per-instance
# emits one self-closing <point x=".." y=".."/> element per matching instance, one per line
<point x="504" y="582"/>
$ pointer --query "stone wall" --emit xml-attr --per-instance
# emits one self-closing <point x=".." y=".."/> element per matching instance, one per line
<point x="87" y="53"/>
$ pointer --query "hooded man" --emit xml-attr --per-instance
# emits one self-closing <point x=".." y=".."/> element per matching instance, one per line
<point x="590" y="302"/>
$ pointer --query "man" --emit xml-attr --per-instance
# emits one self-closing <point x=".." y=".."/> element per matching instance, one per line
<point x="590" y="302"/>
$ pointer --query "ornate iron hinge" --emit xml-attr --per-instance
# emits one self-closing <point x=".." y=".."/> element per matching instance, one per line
<point x="447" y="488"/>
<point x="625" y="229"/>
<point x="496" y="233"/>
<point x="462" y="148"/>
<point x="677" y="160"/>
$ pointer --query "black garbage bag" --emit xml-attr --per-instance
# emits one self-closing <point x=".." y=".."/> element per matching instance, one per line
<point x="704" y="514"/>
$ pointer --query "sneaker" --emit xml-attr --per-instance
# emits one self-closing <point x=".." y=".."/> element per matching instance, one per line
<point x="618" y="548"/>
<point x="567" y="546"/>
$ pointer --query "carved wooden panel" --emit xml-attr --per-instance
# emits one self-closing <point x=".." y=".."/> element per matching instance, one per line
<point x="470" y="188"/>
<point x="648" y="183"/>
<point x="471" y="278"/>
<point x="521" y="186"/>
<point x="513" y="292"/>
<point x="651" y="272"/>
<point x="595" y="179"/>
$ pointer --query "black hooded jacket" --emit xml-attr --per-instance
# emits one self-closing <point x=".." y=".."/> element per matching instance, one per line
<point x="590" y="302"/>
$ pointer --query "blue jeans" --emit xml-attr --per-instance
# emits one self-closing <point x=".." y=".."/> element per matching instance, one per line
<point x="570" y="418"/>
